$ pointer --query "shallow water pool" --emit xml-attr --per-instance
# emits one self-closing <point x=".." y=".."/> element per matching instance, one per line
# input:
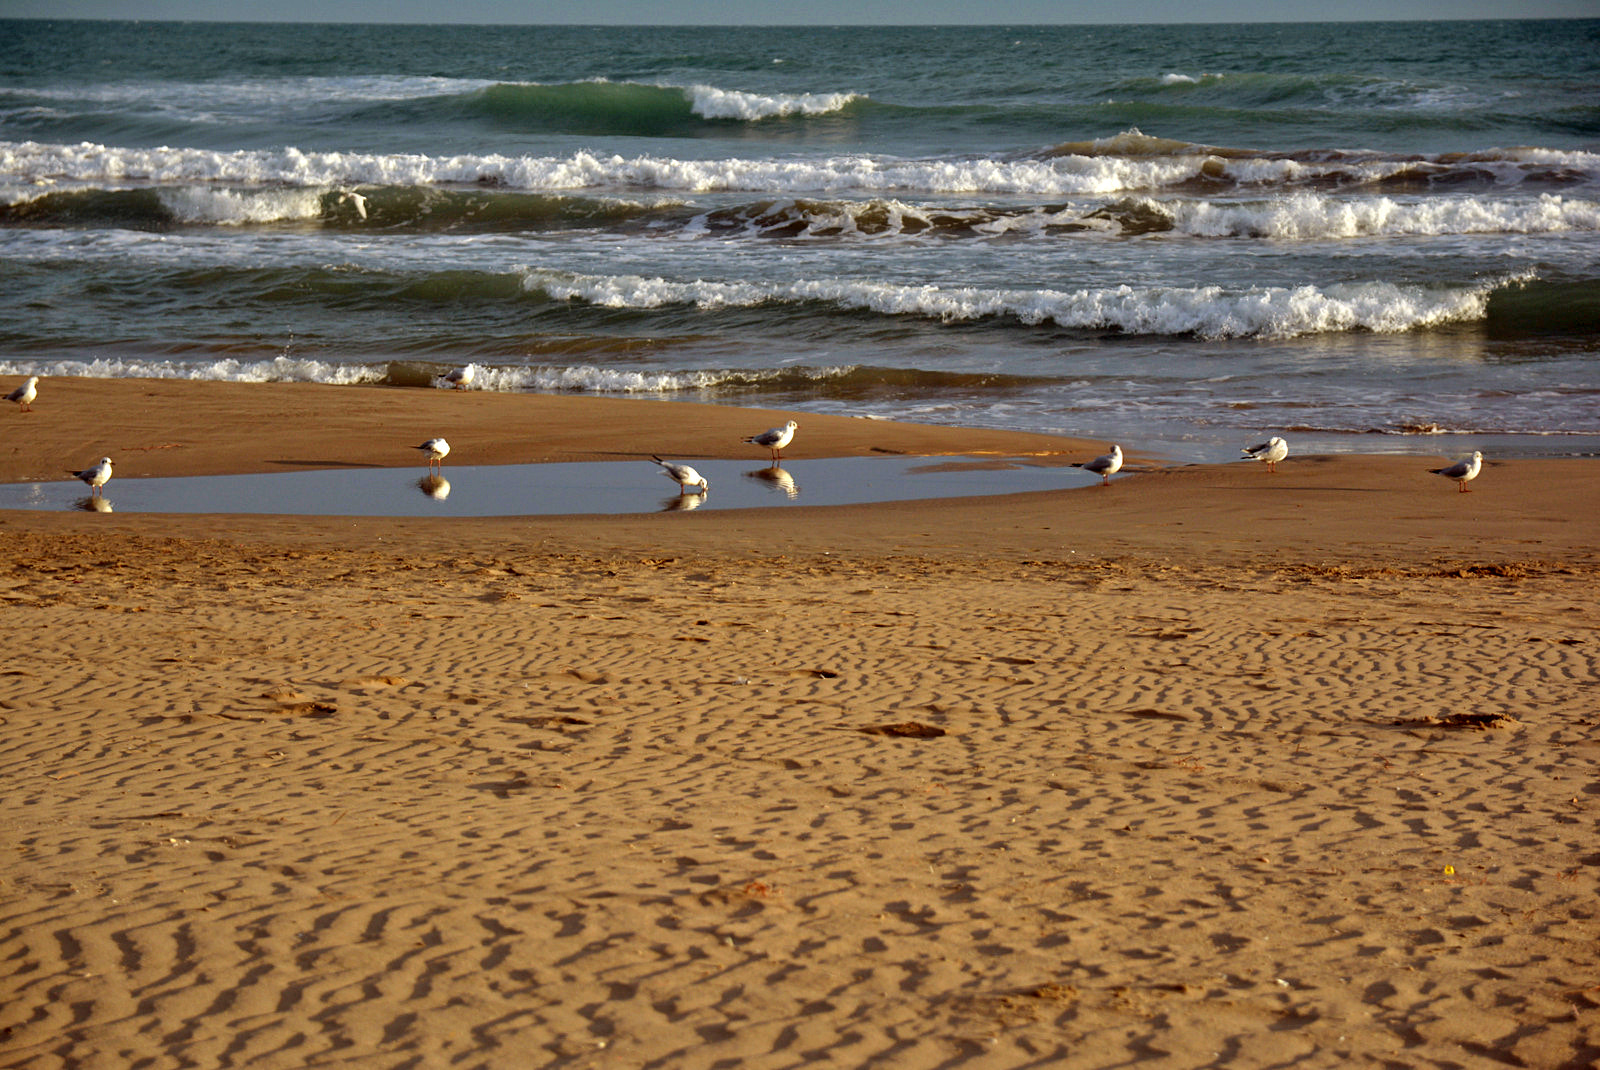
<point x="555" y="489"/>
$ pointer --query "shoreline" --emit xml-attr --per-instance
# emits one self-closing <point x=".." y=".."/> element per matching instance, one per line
<point x="164" y="427"/>
<point x="1363" y="510"/>
<point x="1297" y="768"/>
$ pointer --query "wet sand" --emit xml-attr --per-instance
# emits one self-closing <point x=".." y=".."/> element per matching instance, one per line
<point x="1206" y="766"/>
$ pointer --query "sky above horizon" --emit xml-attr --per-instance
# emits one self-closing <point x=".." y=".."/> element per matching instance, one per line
<point x="815" y="12"/>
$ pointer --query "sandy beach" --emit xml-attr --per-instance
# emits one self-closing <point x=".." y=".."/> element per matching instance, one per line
<point x="1210" y="766"/>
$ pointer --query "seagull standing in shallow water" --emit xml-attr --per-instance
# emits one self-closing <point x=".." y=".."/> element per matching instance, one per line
<point x="97" y="476"/>
<point x="1105" y="466"/>
<point x="24" y="394"/>
<point x="684" y="476"/>
<point x="1463" y="471"/>
<point x="1272" y="451"/>
<point x="775" y="438"/>
<point x="437" y="450"/>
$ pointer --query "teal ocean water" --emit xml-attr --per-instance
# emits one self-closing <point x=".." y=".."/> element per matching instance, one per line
<point x="1365" y="237"/>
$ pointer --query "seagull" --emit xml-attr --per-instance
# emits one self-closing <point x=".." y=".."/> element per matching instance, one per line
<point x="1105" y="466"/>
<point x="775" y="438"/>
<point x="684" y="476"/>
<point x="462" y="377"/>
<point x="356" y="199"/>
<point x="1463" y="471"/>
<point x="1272" y="451"/>
<point x="437" y="450"/>
<point x="97" y="476"/>
<point x="24" y="394"/>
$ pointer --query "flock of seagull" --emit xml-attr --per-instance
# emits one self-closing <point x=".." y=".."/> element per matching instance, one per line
<point x="774" y="439"/>
<point x="1276" y="449"/>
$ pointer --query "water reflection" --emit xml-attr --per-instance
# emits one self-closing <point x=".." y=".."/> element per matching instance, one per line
<point x="683" y="502"/>
<point x="94" y="503"/>
<point x="559" y="488"/>
<point x="778" y="478"/>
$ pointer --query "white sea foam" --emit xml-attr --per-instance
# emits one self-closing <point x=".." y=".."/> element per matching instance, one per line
<point x="246" y="100"/>
<point x="87" y="162"/>
<point x="581" y="378"/>
<point x="32" y="162"/>
<point x="712" y="103"/>
<point x="1311" y="217"/>
<point x="278" y="369"/>
<point x="1295" y="217"/>
<point x="226" y="207"/>
<point x="588" y="378"/>
<point x="1204" y="311"/>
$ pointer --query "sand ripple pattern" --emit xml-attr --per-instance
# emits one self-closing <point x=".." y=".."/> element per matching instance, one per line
<point x="290" y="808"/>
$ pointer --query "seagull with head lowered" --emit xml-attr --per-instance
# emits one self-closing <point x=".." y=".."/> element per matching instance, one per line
<point x="437" y="450"/>
<point x="775" y="438"/>
<point x="1463" y="471"/>
<point x="462" y="377"/>
<point x="24" y="394"/>
<point x="684" y="476"/>
<point x="1105" y="466"/>
<point x="1272" y="451"/>
<point x="97" y="476"/>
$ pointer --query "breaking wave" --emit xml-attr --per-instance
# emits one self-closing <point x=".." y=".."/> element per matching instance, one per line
<point x="1131" y="163"/>
<point x="1209" y="312"/>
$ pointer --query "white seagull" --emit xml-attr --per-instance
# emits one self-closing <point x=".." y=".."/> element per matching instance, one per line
<point x="1105" y="466"/>
<point x="1463" y="471"/>
<point x="462" y="377"/>
<point x="775" y="438"/>
<point x="97" y="476"/>
<point x="24" y="394"/>
<point x="1272" y="451"/>
<point x="437" y="450"/>
<point x="684" y="476"/>
<point x="354" y="198"/>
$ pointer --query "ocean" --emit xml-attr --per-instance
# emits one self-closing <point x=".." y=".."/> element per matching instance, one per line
<point x="1367" y="237"/>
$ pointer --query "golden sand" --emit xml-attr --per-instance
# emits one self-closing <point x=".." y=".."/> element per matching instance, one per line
<point x="1207" y="767"/>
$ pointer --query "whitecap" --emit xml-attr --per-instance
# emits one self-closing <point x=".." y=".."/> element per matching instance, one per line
<point x="274" y="370"/>
<point x="1314" y="217"/>
<point x="1211" y="312"/>
<point x="227" y="207"/>
<point x="709" y="102"/>
<point x="1059" y="175"/>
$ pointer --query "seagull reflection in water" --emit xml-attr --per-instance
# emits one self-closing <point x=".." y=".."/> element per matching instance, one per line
<point x="434" y="486"/>
<point x="778" y="479"/>
<point x="682" y="503"/>
<point x="94" y="503"/>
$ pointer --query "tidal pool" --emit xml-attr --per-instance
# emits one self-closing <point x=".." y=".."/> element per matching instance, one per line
<point x="554" y="489"/>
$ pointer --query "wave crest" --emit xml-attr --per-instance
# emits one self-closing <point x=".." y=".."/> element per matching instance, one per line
<point x="602" y="106"/>
<point x="278" y="369"/>
<point x="1208" y="312"/>
<point x="1129" y="163"/>
<point x="714" y="103"/>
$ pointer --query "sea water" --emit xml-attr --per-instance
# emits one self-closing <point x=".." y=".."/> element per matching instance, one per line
<point x="1380" y="236"/>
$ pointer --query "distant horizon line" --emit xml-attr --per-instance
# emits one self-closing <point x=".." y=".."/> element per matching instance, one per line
<point x="798" y="25"/>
